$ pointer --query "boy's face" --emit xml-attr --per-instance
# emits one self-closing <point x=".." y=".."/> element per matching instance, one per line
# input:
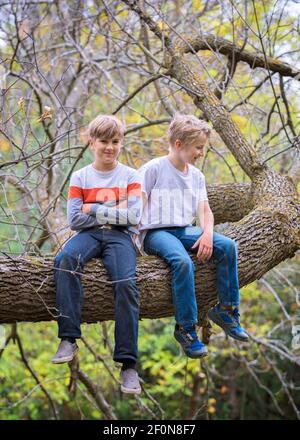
<point x="106" y="151"/>
<point x="191" y="152"/>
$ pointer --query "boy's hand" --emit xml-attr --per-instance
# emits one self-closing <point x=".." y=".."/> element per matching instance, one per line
<point x="205" y="250"/>
<point x="86" y="207"/>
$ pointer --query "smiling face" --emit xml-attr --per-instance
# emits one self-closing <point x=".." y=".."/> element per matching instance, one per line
<point x="106" y="151"/>
<point x="190" y="152"/>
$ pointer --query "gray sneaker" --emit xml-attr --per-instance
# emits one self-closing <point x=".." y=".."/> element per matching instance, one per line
<point x="65" y="353"/>
<point x="130" y="381"/>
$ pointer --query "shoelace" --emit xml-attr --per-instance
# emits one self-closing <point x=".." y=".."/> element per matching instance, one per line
<point x="236" y="316"/>
<point x="188" y="334"/>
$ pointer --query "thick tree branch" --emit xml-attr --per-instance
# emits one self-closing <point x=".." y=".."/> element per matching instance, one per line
<point x="232" y="50"/>
<point x="265" y="237"/>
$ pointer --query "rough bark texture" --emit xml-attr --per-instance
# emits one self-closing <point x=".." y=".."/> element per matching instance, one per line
<point x="230" y="202"/>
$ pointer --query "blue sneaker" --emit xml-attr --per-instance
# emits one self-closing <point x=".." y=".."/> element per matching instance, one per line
<point x="188" y="339"/>
<point x="229" y="320"/>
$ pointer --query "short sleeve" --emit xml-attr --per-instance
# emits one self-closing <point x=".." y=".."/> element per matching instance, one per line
<point x="201" y="190"/>
<point x="148" y="174"/>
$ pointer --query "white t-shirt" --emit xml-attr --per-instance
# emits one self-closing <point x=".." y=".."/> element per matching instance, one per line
<point x="173" y="196"/>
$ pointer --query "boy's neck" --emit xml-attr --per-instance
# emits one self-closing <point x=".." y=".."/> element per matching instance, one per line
<point x="177" y="162"/>
<point x="100" y="166"/>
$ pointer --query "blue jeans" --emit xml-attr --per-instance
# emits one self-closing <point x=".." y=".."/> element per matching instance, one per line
<point x="172" y="245"/>
<point x="116" y="249"/>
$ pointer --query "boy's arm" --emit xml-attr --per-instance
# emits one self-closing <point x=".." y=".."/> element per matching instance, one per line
<point x="77" y="220"/>
<point x="128" y="212"/>
<point x="205" y="242"/>
<point x="206" y="218"/>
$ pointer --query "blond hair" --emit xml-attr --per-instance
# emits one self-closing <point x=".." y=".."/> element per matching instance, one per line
<point x="106" y="127"/>
<point x="187" y="128"/>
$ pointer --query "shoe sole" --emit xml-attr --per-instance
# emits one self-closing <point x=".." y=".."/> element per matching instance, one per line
<point x="217" y="321"/>
<point x="205" y="353"/>
<point x="130" y="390"/>
<point x="65" y="359"/>
<point x="198" y="356"/>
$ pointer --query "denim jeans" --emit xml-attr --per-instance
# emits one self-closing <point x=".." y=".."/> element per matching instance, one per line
<point x="172" y="245"/>
<point x="116" y="249"/>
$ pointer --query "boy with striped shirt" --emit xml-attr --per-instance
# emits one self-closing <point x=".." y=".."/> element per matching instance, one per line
<point x="104" y="206"/>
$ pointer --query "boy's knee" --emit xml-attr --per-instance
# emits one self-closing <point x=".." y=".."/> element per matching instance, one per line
<point x="183" y="263"/>
<point x="230" y="245"/>
<point x="127" y="288"/>
<point x="57" y="260"/>
<point x="67" y="261"/>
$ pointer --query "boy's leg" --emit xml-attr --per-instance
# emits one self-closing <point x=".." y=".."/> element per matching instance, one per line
<point x="225" y="257"/>
<point x="165" y="244"/>
<point x="119" y="259"/>
<point x="225" y="314"/>
<point x="68" y="266"/>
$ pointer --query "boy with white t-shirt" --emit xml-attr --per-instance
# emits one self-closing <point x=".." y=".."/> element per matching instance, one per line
<point x="174" y="194"/>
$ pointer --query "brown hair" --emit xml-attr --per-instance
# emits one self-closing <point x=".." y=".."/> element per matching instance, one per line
<point x="187" y="128"/>
<point x="106" y="127"/>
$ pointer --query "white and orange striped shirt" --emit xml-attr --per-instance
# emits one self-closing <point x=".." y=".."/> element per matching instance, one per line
<point x="104" y="190"/>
